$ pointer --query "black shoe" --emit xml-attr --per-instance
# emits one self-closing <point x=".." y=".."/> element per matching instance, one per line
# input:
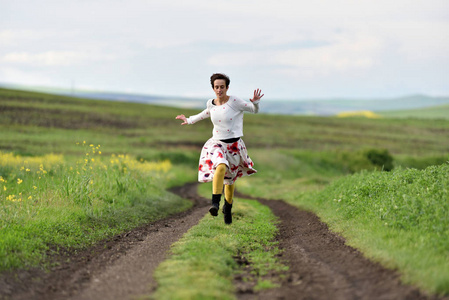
<point x="227" y="212"/>
<point x="215" y="204"/>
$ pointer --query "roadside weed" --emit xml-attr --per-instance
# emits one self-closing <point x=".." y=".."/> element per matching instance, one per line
<point x="47" y="202"/>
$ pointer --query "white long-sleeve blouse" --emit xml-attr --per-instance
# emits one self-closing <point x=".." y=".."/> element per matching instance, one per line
<point x="227" y="118"/>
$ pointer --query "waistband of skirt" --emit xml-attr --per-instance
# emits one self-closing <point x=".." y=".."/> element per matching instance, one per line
<point x="229" y="141"/>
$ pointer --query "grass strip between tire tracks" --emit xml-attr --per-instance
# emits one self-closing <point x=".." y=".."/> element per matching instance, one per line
<point x="202" y="264"/>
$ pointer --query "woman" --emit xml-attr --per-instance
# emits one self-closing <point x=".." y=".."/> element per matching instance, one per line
<point x="224" y="157"/>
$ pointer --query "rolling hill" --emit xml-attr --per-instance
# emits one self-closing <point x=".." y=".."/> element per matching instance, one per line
<point x="422" y="105"/>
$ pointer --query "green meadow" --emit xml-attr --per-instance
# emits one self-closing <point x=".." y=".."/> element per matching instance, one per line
<point x="435" y="112"/>
<point x="75" y="171"/>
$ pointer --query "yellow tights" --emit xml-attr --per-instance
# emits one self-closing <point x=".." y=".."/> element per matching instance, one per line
<point x="217" y="184"/>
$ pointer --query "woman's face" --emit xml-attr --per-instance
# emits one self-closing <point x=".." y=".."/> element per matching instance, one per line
<point x="220" y="88"/>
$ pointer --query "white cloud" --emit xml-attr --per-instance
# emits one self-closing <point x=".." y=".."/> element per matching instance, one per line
<point x="52" y="58"/>
<point x="12" y="37"/>
<point x="22" y="37"/>
<point x="344" y="53"/>
<point x="17" y="76"/>
<point x="421" y="40"/>
<point x="242" y="58"/>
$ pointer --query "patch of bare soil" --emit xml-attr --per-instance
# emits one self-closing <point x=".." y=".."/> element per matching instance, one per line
<point x="322" y="266"/>
<point x="118" y="268"/>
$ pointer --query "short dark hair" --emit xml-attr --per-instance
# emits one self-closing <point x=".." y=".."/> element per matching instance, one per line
<point x="219" y="76"/>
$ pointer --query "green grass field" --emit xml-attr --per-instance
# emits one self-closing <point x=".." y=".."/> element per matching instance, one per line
<point x="435" y="112"/>
<point x="330" y="165"/>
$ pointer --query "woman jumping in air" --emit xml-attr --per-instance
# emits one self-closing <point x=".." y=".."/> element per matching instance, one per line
<point x="224" y="157"/>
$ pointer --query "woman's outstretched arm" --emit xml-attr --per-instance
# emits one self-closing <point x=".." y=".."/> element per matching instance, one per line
<point x="193" y="119"/>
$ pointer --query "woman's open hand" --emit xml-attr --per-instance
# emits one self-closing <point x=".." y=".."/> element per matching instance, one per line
<point x="257" y="95"/>
<point x="182" y="117"/>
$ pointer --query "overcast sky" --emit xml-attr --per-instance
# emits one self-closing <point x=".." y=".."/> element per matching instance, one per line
<point x="290" y="49"/>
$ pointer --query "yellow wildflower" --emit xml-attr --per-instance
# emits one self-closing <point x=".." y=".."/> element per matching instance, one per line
<point x="19" y="181"/>
<point x="28" y="170"/>
<point x="361" y="113"/>
<point x="1" y="179"/>
<point x="34" y="187"/>
<point x="4" y="188"/>
<point x="29" y="198"/>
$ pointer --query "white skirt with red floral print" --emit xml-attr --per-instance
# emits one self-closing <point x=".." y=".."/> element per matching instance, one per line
<point x="233" y="155"/>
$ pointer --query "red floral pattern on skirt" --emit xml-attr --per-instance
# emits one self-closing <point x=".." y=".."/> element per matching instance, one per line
<point x="234" y="155"/>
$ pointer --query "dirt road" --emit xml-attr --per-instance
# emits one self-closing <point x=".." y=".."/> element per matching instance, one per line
<point x="321" y="266"/>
